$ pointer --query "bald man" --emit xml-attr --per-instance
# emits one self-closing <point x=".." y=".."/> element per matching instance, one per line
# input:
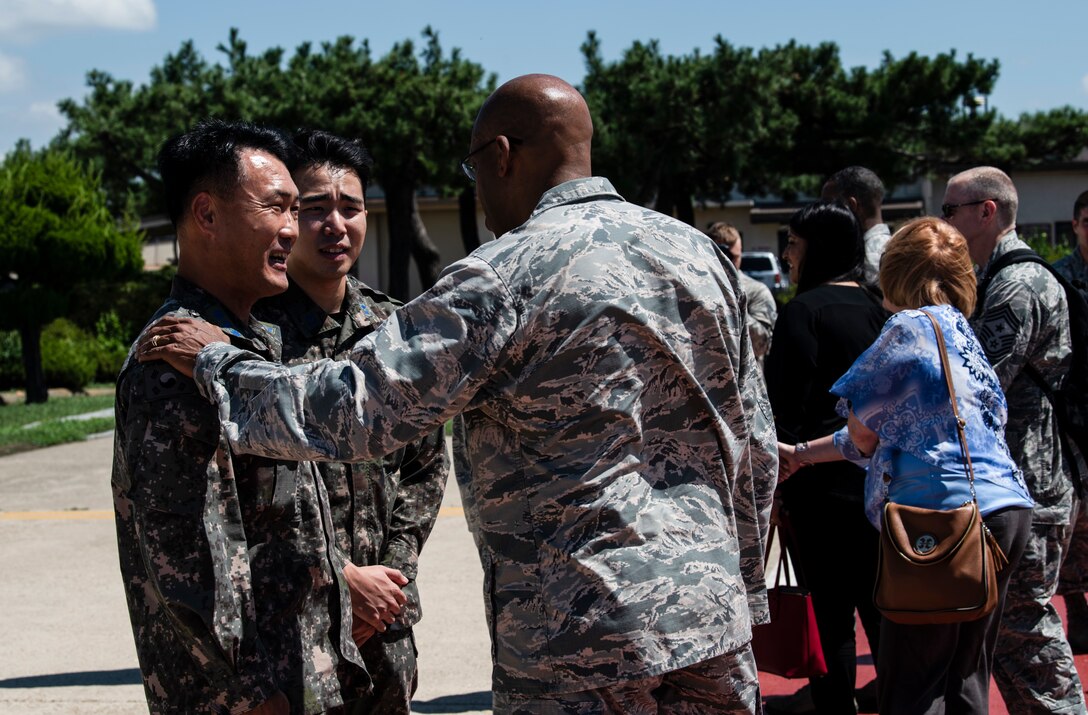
<point x="619" y="442"/>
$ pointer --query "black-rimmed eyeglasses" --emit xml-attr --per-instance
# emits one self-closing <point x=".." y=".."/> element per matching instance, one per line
<point x="949" y="210"/>
<point x="469" y="168"/>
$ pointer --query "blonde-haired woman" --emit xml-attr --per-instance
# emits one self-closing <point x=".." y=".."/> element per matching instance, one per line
<point x="897" y="405"/>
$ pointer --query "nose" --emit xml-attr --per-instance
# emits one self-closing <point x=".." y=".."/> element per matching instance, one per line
<point x="335" y="225"/>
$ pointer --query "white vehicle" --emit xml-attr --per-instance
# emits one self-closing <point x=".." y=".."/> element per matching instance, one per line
<point x="765" y="267"/>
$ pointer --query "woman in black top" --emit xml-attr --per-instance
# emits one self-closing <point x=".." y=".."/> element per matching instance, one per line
<point x="817" y="337"/>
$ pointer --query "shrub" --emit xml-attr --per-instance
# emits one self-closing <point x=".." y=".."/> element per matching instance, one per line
<point x="68" y="358"/>
<point x="12" y="374"/>
<point x="111" y="346"/>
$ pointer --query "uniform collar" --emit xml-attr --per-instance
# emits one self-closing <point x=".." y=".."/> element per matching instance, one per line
<point x="575" y="191"/>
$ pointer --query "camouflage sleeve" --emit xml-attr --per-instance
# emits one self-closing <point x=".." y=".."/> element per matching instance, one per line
<point x="762" y="311"/>
<point x="419" y="369"/>
<point x="423" y="474"/>
<point x="755" y="482"/>
<point x="190" y="539"/>
<point x="1015" y="319"/>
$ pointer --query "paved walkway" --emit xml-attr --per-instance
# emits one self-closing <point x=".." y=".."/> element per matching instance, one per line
<point x="68" y="646"/>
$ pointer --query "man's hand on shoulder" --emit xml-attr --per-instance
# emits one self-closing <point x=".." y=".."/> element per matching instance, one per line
<point x="177" y="341"/>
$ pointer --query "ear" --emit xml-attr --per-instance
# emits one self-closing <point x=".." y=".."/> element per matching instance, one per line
<point x="504" y="165"/>
<point x="852" y="204"/>
<point x="989" y="210"/>
<point x="205" y="212"/>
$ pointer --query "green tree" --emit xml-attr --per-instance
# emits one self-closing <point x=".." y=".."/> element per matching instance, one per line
<point x="413" y="110"/>
<point x="774" y="121"/>
<point x="55" y="232"/>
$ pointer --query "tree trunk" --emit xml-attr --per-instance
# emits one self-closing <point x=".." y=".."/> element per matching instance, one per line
<point x="685" y="209"/>
<point x="398" y="206"/>
<point x="466" y="205"/>
<point x="36" y="390"/>
<point x="407" y="239"/>
<point x="428" y="259"/>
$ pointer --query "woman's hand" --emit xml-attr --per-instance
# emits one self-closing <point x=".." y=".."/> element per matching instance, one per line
<point x="788" y="461"/>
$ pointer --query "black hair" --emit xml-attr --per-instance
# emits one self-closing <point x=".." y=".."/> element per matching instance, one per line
<point x="1080" y="204"/>
<point x="205" y="158"/>
<point x="833" y="247"/>
<point x="318" y="148"/>
<point x="862" y="184"/>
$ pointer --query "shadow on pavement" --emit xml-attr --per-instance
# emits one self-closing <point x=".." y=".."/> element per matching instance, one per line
<point x="126" y="676"/>
<point x="453" y="703"/>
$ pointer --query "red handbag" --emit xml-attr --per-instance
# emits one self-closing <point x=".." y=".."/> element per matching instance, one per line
<point x="790" y="644"/>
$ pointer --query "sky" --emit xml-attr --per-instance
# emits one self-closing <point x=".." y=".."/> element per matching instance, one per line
<point x="47" y="47"/>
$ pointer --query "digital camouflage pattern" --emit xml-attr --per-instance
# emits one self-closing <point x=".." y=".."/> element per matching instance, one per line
<point x="382" y="510"/>
<point x="1025" y="320"/>
<point x="1033" y="663"/>
<point x="232" y="588"/>
<point x="620" y="443"/>
<point x="762" y="312"/>
<point x="1075" y="269"/>
<point x="727" y="683"/>
<point x="875" y="240"/>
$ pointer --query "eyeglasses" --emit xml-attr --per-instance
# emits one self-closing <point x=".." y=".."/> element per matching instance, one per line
<point x="949" y="210"/>
<point x="469" y="168"/>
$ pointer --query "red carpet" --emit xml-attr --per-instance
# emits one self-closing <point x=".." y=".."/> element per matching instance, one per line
<point x="773" y="685"/>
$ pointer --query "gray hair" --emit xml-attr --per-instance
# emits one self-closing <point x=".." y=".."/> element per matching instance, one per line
<point x="987" y="182"/>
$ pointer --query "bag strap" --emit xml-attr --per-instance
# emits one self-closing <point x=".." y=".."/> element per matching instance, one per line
<point x="960" y="423"/>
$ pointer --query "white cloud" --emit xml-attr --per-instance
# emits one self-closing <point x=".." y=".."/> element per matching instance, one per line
<point x="1084" y="81"/>
<point x="44" y="110"/>
<point x="11" y="73"/>
<point x="32" y="16"/>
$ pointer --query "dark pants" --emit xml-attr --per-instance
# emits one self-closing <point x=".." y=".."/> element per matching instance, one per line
<point x="835" y="548"/>
<point x="945" y="668"/>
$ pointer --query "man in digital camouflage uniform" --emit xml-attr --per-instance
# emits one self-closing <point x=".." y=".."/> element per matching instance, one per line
<point x="863" y="193"/>
<point x="235" y="594"/>
<point x="382" y="511"/>
<point x="761" y="307"/>
<point x="1073" y="581"/>
<point x="1024" y="321"/>
<point x="621" y="447"/>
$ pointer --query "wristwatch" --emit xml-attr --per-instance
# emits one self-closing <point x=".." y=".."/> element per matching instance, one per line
<point x="801" y="448"/>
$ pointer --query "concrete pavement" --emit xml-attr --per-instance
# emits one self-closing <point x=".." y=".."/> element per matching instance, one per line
<point x="64" y="625"/>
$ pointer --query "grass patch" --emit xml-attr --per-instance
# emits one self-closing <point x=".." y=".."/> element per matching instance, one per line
<point x="47" y="434"/>
<point x="16" y="437"/>
<point x="21" y="414"/>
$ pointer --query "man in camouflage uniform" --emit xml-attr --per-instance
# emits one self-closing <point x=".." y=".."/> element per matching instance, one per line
<point x="1073" y="581"/>
<point x="863" y="193"/>
<point x="382" y="511"/>
<point x="235" y="594"/>
<point x="1024" y="321"/>
<point x="760" y="306"/>
<point x="621" y="447"/>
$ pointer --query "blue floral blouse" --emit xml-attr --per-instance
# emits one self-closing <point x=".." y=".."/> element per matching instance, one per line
<point x="897" y="389"/>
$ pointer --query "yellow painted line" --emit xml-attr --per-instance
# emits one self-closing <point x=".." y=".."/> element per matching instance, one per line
<point x="71" y="515"/>
<point x="103" y="515"/>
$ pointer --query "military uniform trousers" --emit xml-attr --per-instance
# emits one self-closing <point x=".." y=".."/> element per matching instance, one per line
<point x="1033" y="664"/>
<point x="726" y="684"/>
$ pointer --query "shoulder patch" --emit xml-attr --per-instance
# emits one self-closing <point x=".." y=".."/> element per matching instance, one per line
<point x="163" y="381"/>
<point x="998" y="329"/>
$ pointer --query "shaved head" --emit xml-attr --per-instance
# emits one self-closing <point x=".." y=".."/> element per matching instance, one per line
<point x="543" y="134"/>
